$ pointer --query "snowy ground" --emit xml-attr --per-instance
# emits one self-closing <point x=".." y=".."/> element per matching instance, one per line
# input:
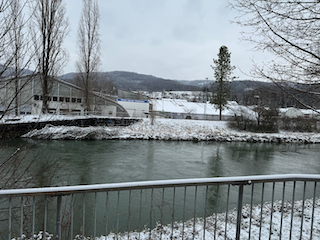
<point x="215" y="225"/>
<point x="171" y="129"/>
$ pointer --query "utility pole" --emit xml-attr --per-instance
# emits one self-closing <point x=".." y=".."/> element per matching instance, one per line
<point x="205" y="104"/>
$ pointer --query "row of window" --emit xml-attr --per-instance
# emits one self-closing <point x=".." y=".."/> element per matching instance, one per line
<point x="59" y="99"/>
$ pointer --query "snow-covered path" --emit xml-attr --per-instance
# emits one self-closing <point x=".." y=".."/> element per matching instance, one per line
<point x="171" y="129"/>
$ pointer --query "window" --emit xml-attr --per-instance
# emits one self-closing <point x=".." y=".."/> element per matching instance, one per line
<point x="67" y="99"/>
<point x="36" y="97"/>
<point x="73" y="100"/>
<point x="79" y="100"/>
<point x="61" y="99"/>
<point x="54" y="99"/>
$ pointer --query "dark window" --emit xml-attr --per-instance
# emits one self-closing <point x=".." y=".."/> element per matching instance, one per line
<point x="55" y="99"/>
<point x="36" y="97"/>
<point x="79" y="100"/>
<point x="67" y="99"/>
<point x="73" y="100"/>
<point x="61" y="99"/>
<point x="49" y="98"/>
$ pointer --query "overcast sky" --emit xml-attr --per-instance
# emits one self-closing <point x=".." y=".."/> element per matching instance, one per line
<point x="172" y="39"/>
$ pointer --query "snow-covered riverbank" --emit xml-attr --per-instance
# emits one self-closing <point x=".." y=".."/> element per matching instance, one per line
<point x="215" y="225"/>
<point x="172" y="129"/>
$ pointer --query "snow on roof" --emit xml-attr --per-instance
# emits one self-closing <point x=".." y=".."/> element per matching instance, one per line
<point x="183" y="106"/>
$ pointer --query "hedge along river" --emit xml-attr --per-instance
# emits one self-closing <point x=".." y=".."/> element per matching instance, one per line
<point x="63" y="162"/>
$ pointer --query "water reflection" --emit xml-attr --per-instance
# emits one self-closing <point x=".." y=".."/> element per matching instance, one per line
<point x="90" y="162"/>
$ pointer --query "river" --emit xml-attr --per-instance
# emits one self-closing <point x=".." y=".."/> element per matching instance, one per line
<point x="63" y="162"/>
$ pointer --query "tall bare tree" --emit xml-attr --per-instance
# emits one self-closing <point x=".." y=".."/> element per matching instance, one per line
<point x="15" y="56"/>
<point x="289" y="29"/>
<point x="19" y="44"/>
<point x="89" y="62"/>
<point x="50" y="29"/>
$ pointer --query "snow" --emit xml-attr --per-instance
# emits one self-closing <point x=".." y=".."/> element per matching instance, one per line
<point x="215" y="224"/>
<point x="183" y="106"/>
<point x="39" y="118"/>
<point x="171" y="129"/>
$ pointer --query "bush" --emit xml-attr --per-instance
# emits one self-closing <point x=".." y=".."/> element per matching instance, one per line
<point x="299" y="124"/>
<point x="266" y="121"/>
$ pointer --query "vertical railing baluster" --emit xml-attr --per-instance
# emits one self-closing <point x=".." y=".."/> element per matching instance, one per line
<point x="194" y="211"/>
<point x="271" y="214"/>
<point x="184" y="209"/>
<point x="173" y="203"/>
<point x="205" y="213"/>
<point x="227" y="209"/>
<point x="21" y="217"/>
<point x="313" y="203"/>
<point x="58" y="221"/>
<point x="302" y="213"/>
<point x="118" y="214"/>
<point x="262" y="194"/>
<point x="216" y="213"/>
<point x="107" y="213"/>
<point x="71" y="220"/>
<point x="140" y="212"/>
<point x="239" y="211"/>
<point x="45" y="216"/>
<point x="251" y="204"/>
<point x="151" y="209"/>
<point x="33" y="216"/>
<point x="161" y="213"/>
<point x="9" y="232"/>
<point x="129" y="213"/>
<point x="292" y="209"/>
<point x="83" y="214"/>
<point x="282" y="206"/>
<point x="95" y="216"/>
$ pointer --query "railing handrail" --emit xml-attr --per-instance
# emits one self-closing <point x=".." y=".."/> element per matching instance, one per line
<point x="239" y="180"/>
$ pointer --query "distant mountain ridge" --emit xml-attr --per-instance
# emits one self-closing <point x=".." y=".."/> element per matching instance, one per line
<point x="137" y="82"/>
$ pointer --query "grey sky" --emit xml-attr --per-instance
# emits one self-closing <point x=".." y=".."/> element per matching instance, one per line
<point x="173" y="39"/>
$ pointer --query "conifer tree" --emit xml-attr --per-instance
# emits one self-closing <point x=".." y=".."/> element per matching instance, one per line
<point x="222" y="73"/>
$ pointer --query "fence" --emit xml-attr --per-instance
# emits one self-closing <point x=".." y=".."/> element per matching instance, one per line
<point x="264" y="207"/>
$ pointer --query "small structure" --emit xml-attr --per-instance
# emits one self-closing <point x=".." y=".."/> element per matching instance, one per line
<point x="293" y="113"/>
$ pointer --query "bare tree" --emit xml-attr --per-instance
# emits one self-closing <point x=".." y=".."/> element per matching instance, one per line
<point x="89" y="62"/>
<point x="15" y="56"/>
<point x="289" y="29"/>
<point x="50" y="29"/>
<point x="19" y="44"/>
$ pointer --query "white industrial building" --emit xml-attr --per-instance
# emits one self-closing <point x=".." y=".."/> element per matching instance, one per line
<point x="64" y="98"/>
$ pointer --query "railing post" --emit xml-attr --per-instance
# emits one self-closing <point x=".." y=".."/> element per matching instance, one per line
<point x="58" y="221"/>
<point x="239" y="213"/>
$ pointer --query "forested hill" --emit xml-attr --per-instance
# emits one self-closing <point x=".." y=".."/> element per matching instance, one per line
<point x="137" y="82"/>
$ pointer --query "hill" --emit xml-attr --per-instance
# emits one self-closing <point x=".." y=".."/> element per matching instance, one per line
<point x="137" y="82"/>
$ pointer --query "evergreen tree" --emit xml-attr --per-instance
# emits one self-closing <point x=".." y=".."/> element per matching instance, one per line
<point x="222" y="73"/>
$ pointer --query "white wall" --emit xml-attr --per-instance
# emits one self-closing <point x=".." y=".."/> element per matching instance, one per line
<point x="135" y="108"/>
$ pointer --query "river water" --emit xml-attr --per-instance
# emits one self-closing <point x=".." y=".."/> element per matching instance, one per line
<point x="91" y="162"/>
<point x="64" y="162"/>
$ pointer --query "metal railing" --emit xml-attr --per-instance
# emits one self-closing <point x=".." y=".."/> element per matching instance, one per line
<point x="247" y="207"/>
